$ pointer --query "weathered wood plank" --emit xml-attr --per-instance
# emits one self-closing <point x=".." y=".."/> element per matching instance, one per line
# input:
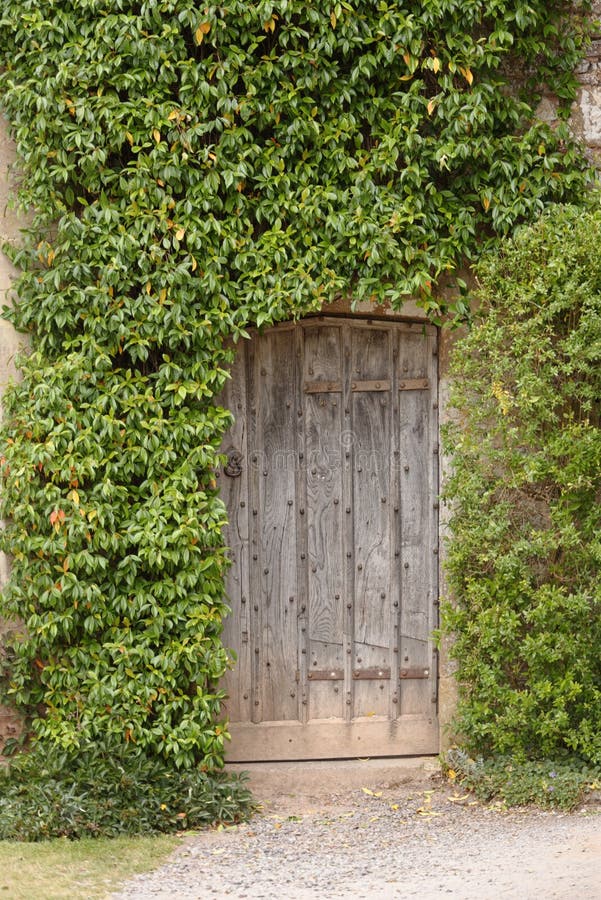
<point x="418" y="560"/>
<point x="323" y="424"/>
<point x="371" y="361"/>
<point x="234" y="493"/>
<point x="275" y="374"/>
<point x="408" y="736"/>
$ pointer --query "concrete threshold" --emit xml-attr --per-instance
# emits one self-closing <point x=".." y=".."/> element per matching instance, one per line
<point x="317" y="779"/>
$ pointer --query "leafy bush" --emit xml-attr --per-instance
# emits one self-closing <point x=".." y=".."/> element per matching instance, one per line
<point x="552" y="784"/>
<point x="193" y="169"/>
<point x="525" y="495"/>
<point x="104" y="794"/>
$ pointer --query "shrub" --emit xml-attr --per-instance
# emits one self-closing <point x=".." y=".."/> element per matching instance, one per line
<point x="551" y="784"/>
<point x="525" y="495"/>
<point x="106" y="793"/>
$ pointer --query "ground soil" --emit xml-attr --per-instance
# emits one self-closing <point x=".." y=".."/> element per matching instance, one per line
<point x="382" y="829"/>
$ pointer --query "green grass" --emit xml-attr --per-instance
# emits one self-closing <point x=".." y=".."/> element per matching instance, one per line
<point x="77" y="870"/>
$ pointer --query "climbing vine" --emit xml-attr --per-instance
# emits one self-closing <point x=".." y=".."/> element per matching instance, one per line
<point x="193" y="169"/>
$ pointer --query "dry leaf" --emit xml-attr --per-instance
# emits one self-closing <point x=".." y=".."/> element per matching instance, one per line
<point x="200" y="32"/>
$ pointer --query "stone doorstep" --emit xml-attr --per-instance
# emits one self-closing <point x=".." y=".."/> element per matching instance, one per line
<point x="319" y="778"/>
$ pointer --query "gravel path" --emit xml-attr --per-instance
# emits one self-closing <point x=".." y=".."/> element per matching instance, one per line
<point x="389" y="838"/>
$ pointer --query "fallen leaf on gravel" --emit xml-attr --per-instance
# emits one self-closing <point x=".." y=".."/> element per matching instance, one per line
<point x="427" y="813"/>
<point x="371" y="793"/>
<point x="456" y="799"/>
<point x="394" y="806"/>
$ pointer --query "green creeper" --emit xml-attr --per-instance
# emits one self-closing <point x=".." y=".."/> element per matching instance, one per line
<point x="195" y="169"/>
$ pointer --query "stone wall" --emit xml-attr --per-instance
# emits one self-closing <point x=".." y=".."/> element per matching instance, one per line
<point x="10" y="342"/>
<point x="586" y="113"/>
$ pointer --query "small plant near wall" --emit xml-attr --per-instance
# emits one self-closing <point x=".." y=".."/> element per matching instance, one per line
<point x="194" y="169"/>
<point x="525" y="548"/>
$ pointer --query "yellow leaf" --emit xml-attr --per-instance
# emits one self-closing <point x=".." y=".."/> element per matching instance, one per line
<point x="194" y="265"/>
<point x="394" y="806"/>
<point x="173" y="115"/>
<point x="200" y="32"/>
<point x="162" y="295"/>
<point x="467" y="74"/>
<point x="156" y="134"/>
<point x="66" y="564"/>
<point x="180" y="233"/>
<point x="50" y="257"/>
<point x="485" y="203"/>
<point x="333" y="19"/>
<point x="130" y="137"/>
<point x="451" y="774"/>
<point x="436" y="64"/>
<point x="367" y="791"/>
<point x="148" y="287"/>
<point x="269" y="25"/>
<point x="430" y="107"/>
<point x="74" y="497"/>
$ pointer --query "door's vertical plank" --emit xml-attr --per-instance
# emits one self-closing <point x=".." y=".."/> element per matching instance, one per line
<point x="255" y="466"/>
<point x="234" y="493"/>
<point x="300" y="603"/>
<point x="371" y="361"/>
<point x="324" y="516"/>
<point x="348" y="539"/>
<point x="394" y="512"/>
<point x="433" y="489"/>
<point x="418" y="544"/>
<point x="276" y="375"/>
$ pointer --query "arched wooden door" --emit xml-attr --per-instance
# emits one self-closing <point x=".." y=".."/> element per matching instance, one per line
<point x="331" y="488"/>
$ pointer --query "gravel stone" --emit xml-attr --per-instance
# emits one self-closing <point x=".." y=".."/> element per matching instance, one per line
<point x="406" y="837"/>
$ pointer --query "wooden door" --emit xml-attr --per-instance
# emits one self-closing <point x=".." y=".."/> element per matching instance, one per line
<point x="331" y="488"/>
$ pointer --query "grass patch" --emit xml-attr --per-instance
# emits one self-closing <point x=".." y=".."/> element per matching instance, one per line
<point x="77" y="870"/>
